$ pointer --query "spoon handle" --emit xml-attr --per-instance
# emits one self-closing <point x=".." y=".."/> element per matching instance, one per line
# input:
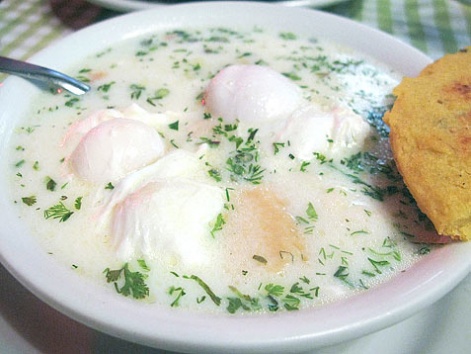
<point x="40" y="73"/>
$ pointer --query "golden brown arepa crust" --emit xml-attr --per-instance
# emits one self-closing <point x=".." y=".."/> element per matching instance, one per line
<point x="430" y="138"/>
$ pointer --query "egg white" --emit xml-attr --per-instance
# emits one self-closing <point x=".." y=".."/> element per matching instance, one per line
<point x="169" y="219"/>
<point x="115" y="148"/>
<point x="252" y="94"/>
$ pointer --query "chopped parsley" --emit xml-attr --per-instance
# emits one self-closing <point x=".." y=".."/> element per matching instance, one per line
<point x="174" y="125"/>
<point x="58" y="211"/>
<point x="216" y="299"/>
<point x="308" y="219"/>
<point x="136" y="91"/>
<point x="218" y="224"/>
<point x="109" y="186"/>
<point x="127" y="282"/>
<point x="277" y="147"/>
<point x="178" y="293"/>
<point x="78" y="203"/>
<point x="260" y="259"/>
<point x="29" y="201"/>
<point x="106" y="87"/>
<point x="50" y="184"/>
<point x="158" y="95"/>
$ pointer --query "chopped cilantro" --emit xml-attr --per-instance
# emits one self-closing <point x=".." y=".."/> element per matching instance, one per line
<point x="58" y="211"/>
<point x="78" y="203"/>
<point x="218" y="224"/>
<point x="174" y="125"/>
<point x="206" y="288"/>
<point x="29" y="201"/>
<point x="50" y="184"/>
<point x="127" y="282"/>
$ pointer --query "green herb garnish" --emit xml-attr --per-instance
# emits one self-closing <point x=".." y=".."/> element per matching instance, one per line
<point x="29" y="201"/>
<point x="58" y="211"/>
<point x="127" y="282"/>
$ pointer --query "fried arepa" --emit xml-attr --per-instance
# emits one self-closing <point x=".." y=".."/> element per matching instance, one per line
<point x="430" y="136"/>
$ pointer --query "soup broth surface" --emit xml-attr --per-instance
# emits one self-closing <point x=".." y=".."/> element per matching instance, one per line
<point x="192" y="177"/>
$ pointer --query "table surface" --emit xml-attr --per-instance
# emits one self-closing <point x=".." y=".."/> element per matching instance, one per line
<point x="435" y="27"/>
<point x="27" y="325"/>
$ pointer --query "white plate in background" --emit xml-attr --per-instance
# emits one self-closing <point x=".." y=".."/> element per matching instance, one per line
<point x="134" y="5"/>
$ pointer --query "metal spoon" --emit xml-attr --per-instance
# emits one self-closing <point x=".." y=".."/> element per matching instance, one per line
<point x="41" y="74"/>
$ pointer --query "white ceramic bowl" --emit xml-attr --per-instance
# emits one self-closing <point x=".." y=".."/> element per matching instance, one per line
<point x="427" y="281"/>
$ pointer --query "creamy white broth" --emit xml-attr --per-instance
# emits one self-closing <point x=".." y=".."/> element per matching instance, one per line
<point x="346" y="219"/>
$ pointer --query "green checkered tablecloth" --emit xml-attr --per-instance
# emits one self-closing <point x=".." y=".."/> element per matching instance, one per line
<point x="27" y="26"/>
<point x="433" y="26"/>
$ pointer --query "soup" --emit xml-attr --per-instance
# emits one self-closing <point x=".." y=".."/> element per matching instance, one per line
<point x="221" y="170"/>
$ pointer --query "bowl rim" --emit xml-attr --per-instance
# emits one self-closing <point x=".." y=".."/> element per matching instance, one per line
<point x="272" y="332"/>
